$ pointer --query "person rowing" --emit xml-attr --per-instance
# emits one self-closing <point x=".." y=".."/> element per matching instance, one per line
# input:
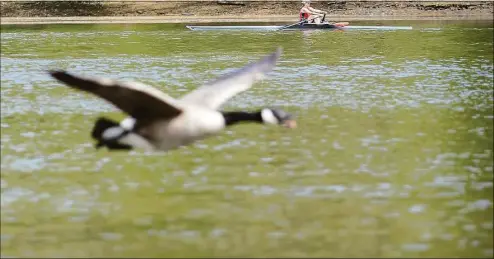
<point x="311" y="15"/>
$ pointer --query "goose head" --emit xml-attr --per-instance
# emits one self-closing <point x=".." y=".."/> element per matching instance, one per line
<point x="277" y="116"/>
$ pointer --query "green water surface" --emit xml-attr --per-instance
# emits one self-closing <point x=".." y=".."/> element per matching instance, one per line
<point x="393" y="156"/>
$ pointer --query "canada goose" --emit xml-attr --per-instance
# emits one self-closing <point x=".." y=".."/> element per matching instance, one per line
<point x="158" y="122"/>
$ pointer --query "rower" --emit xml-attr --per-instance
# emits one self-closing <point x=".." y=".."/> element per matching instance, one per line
<point x="311" y="15"/>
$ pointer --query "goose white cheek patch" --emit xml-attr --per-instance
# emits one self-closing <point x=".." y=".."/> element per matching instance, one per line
<point x="268" y="116"/>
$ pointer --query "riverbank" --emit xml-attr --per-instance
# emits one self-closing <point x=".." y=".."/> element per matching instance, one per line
<point x="203" y="12"/>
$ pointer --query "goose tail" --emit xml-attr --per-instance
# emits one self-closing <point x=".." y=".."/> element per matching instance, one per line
<point x="107" y="133"/>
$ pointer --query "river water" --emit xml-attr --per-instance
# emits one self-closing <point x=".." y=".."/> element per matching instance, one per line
<point x="393" y="155"/>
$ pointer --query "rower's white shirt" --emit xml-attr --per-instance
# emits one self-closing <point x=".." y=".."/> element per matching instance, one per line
<point x="310" y="10"/>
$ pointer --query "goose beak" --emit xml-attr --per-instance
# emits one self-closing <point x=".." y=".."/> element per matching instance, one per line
<point x="281" y="117"/>
<point x="291" y="124"/>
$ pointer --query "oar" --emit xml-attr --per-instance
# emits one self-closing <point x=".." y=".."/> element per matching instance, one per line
<point x="340" y="24"/>
<point x="284" y="27"/>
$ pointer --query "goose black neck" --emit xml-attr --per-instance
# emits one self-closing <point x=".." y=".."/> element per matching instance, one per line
<point x="232" y="118"/>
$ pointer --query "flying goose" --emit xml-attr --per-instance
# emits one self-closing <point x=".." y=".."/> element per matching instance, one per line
<point x="158" y="122"/>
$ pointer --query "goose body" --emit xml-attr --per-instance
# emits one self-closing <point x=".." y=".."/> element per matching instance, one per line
<point x="194" y="124"/>
<point x="159" y="122"/>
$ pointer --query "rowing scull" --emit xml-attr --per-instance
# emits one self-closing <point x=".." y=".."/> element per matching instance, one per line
<point x="310" y="26"/>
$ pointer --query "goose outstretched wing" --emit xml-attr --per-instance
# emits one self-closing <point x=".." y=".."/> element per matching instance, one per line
<point x="138" y="100"/>
<point x="215" y="93"/>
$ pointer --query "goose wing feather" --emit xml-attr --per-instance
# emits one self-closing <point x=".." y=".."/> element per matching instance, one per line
<point x="138" y="100"/>
<point x="215" y="93"/>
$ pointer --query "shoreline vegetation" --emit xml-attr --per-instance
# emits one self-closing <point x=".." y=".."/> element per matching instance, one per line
<point x="39" y="12"/>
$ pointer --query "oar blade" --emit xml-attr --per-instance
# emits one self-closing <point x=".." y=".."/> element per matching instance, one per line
<point x="341" y="24"/>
